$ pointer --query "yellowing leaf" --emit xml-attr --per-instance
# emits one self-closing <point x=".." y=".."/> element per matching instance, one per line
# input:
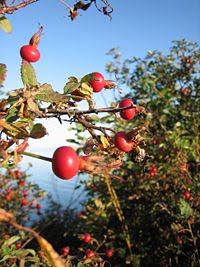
<point x="85" y="88"/>
<point x="104" y="141"/>
<point x="53" y="257"/>
<point x="5" y="24"/>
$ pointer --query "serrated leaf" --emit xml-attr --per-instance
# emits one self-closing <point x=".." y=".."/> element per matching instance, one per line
<point x="28" y="74"/>
<point x="45" y="93"/>
<point x="2" y="73"/>
<point x="88" y="78"/>
<point x="70" y="87"/>
<point x="5" y="24"/>
<point x="38" y="131"/>
<point x="104" y="141"/>
<point x="186" y="210"/>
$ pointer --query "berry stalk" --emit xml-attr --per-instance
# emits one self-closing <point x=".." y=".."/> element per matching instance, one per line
<point x="29" y="154"/>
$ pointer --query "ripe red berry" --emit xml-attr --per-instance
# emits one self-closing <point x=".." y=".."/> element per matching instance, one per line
<point x="38" y="206"/>
<point x="98" y="82"/>
<point x="22" y="183"/>
<point x="65" y="162"/>
<point x="25" y="193"/>
<point x="127" y="114"/>
<point x="24" y="202"/>
<point x="151" y="174"/>
<point x="89" y="254"/>
<point x="154" y="142"/>
<point x="18" y="245"/>
<point x="153" y="169"/>
<point x="179" y="241"/>
<point x="8" y="197"/>
<point x="82" y="214"/>
<point x="122" y="142"/>
<point x="87" y="238"/>
<point x="18" y="174"/>
<point x="8" y="191"/>
<point x="109" y="253"/>
<point x="185" y="91"/>
<point x="187" y="195"/>
<point x="65" y="251"/>
<point x="30" y="53"/>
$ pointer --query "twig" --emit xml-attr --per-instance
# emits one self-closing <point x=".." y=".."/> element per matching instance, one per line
<point x="10" y="9"/>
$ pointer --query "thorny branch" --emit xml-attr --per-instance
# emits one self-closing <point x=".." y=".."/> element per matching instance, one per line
<point x="50" y="112"/>
<point x="7" y="8"/>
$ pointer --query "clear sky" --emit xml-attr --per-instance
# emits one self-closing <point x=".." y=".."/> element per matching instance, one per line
<point x="76" y="48"/>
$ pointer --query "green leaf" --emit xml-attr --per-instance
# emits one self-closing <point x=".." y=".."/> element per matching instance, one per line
<point x="88" y="78"/>
<point x="2" y="73"/>
<point x="5" y="258"/>
<point x="121" y="252"/>
<point x="45" y="93"/>
<point x="186" y="210"/>
<point x="11" y="240"/>
<point x="28" y="74"/>
<point x="31" y="251"/>
<point x="12" y="114"/>
<point x="5" y="24"/>
<point x="73" y="79"/>
<point x="71" y="86"/>
<point x="80" y="264"/>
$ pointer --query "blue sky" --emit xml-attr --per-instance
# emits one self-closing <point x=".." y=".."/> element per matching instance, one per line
<point x="76" y="48"/>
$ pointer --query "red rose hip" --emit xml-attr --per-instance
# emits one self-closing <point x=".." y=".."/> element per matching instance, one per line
<point x="127" y="114"/>
<point x="87" y="238"/>
<point x="65" y="162"/>
<point x="98" y="82"/>
<point x="89" y="254"/>
<point x="30" y="53"/>
<point x="122" y="142"/>
<point x="109" y="253"/>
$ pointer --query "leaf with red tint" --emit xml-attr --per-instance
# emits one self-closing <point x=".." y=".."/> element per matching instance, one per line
<point x="38" y="131"/>
<point x="2" y="73"/>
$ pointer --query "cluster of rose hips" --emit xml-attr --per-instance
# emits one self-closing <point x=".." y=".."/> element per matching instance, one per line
<point x="87" y="238"/>
<point x="65" y="161"/>
<point x="152" y="171"/>
<point x="10" y="193"/>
